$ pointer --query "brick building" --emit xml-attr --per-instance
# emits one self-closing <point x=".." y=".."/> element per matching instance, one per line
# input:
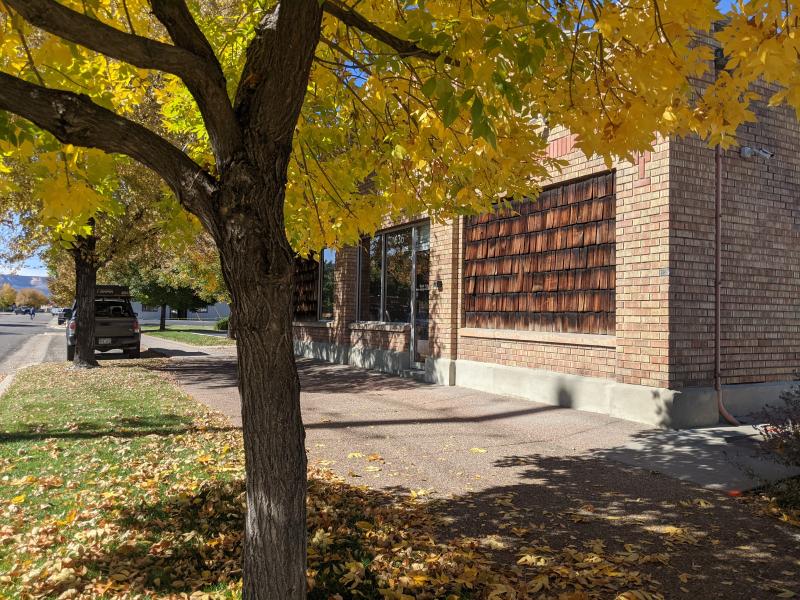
<point x="599" y="295"/>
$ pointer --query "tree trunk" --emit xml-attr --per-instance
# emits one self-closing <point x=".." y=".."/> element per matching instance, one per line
<point x="258" y="267"/>
<point x="162" y="323"/>
<point x="85" y="282"/>
<point x="231" y="325"/>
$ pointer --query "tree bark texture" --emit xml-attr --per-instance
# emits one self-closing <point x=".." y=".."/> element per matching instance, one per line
<point x="162" y="323"/>
<point x="231" y="325"/>
<point x="84" y="253"/>
<point x="258" y="266"/>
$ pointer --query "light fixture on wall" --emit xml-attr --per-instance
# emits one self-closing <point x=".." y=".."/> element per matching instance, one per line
<point x="748" y="152"/>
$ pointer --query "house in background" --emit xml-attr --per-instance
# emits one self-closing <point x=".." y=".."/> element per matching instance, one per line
<point x="600" y="295"/>
<point x="212" y="312"/>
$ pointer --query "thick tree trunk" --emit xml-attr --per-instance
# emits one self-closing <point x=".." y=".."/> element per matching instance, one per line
<point x="85" y="282"/>
<point x="258" y="266"/>
<point x="162" y="323"/>
<point x="231" y="326"/>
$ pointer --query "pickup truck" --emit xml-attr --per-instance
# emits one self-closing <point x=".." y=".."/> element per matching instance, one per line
<point x="115" y="323"/>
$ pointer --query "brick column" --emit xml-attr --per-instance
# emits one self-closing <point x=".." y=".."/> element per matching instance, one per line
<point x="643" y="260"/>
<point x="444" y="304"/>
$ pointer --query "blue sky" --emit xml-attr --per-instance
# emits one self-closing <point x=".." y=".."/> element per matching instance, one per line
<point x="33" y="266"/>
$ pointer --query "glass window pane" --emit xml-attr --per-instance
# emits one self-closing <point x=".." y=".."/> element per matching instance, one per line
<point x="421" y="321"/>
<point x="112" y="308"/>
<point x="328" y="266"/>
<point x="371" y="253"/>
<point x="398" y="277"/>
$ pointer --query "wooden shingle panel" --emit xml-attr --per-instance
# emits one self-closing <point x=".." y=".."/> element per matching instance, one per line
<point x="545" y="265"/>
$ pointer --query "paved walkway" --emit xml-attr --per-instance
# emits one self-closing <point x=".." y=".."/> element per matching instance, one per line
<point x="175" y="349"/>
<point x="449" y="438"/>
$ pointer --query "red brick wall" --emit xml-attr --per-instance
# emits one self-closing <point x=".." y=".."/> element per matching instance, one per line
<point x="445" y="303"/>
<point x="575" y="359"/>
<point x="390" y="339"/>
<point x="760" y="258"/>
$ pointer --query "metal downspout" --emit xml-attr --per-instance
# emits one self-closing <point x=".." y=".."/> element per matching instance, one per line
<point x="718" y="287"/>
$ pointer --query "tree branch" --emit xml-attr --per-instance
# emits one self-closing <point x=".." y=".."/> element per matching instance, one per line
<point x="275" y="75"/>
<point x="183" y="29"/>
<point x="404" y="48"/>
<point x="200" y="72"/>
<point x="79" y="29"/>
<point x="75" y="119"/>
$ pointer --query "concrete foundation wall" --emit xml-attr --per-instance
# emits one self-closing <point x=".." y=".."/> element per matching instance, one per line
<point x="660" y="407"/>
<point x="377" y="359"/>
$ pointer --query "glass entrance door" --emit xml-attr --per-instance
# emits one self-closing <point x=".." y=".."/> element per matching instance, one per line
<point x="394" y="269"/>
<point x="420" y="295"/>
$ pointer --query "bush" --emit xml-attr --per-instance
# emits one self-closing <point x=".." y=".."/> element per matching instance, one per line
<point x="222" y="324"/>
<point x="781" y="428"/>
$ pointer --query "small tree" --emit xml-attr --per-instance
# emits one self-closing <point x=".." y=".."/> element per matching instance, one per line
<point x="128" y="210"/>
<point x="8" y="296"/>
<point x="31" y="297"/>
<point x="61" y="277"/>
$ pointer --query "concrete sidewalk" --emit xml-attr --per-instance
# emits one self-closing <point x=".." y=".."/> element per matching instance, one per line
<point x="457" y="440"/>
<point x="173" y="349"/>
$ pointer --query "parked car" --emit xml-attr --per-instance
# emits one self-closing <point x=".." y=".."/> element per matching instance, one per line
<point x="115" y="323"/>
<point x="22" y="310"/>
<point x="63" y="315"/>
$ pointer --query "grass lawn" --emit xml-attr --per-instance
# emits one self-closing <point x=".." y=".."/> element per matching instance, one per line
<point x="112" y="480"/>
<point x="191" y="326"/>
<point x="188" y="337"/>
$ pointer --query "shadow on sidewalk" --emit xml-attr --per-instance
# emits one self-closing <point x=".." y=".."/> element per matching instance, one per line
<point x="315" y="377"/>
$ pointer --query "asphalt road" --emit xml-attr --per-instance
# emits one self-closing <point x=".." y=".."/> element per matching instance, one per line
<point x="24" y="341"/>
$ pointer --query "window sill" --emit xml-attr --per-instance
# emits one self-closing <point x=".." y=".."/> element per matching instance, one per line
<point x="377" y="326"/>
<point x="545" y="337"/>
<point x="321" y="324"/>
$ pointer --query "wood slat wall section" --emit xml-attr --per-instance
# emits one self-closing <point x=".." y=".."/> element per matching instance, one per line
<point x="547" y="264"/>
<point x="306" y="289"/>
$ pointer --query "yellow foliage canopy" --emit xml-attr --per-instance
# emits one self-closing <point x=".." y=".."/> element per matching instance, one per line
<point x="452" y="125"/>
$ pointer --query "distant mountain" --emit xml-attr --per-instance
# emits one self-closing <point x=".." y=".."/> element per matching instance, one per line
<point x="26" y="281"/>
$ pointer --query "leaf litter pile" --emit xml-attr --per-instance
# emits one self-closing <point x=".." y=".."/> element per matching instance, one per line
<point x="114" y="484"/>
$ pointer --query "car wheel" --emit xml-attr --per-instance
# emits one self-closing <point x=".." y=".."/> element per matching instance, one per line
<point x="134" y="353"/>
<point x="70" y="353"/>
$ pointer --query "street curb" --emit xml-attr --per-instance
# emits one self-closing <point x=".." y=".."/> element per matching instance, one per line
<point x="6" y="383"/>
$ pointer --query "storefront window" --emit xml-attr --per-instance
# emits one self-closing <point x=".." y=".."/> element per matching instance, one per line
<point x="397" y="305"/>
<point x="388" y="281"/>
<point x="370" y="293"/>
<point x="327" y="283"/>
